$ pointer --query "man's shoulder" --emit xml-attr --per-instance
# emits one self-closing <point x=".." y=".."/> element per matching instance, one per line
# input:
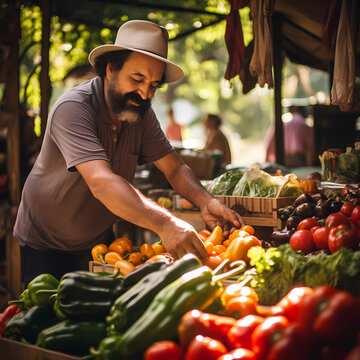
<point x="79" y="93"/>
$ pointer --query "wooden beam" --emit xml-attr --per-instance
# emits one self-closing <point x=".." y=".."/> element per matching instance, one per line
<point x="278" y="63"/>
<point x="44" y="73"/>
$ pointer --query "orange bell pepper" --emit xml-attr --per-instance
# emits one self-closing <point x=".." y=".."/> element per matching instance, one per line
<point x="240" y="306"/>
<point x="216" y="237"/>
<point x="98" y="252"/>
<point x="146" y="251"/>
<point x="112" y="257"/>
<point x="238" y="248"/>
<point x="125" y="266"/>
<point x="135" y="258"/>
<point x="123" y="246"/>
<point x="158" y="248"/>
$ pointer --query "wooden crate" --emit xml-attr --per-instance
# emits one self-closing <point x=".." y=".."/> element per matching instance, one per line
<point x="15" y="350"/>
<point x="96" y="266"/>
<point x="258" y="211"/>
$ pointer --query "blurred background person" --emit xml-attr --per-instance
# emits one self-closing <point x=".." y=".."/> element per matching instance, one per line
<point x="173" y="129"/>
<point x="216" y="140"/>
<point x="298" y="141"/>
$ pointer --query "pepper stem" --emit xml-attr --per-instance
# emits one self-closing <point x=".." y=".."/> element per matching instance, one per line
<point x="238" y="269"/>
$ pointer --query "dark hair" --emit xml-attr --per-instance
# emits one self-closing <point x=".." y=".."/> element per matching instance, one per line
<point x="215" y="119"/>
<point x="117" y="60"/>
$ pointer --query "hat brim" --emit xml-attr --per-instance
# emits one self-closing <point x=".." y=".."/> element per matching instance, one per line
<point x="173" y="72"/>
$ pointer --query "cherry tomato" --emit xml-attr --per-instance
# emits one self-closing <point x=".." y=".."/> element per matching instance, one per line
<point x="347" y="208"/>
<point x="341" y="236"/>
<point x="307" y="224"/>
<point x="336" y="219"/>
<point x="238" y="354"/>
<point x="203" y="347"/>
<point x="239" y="336"/>
<point x="302" y="240"/>
<point x="355" y="215"/>
<point x="163" y="350"/>
<point x="321" y="236"/>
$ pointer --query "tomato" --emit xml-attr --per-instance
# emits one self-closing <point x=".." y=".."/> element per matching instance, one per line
<point x="321" y="236"/>
<point x="341" y="236"/>
<point x="313" y="229"/>
<point x="203" y="347"/>
<point x="347" y="208"/>
<point x="307" y="224"/>
<point x="355" y="215"/>
<point x="354" y="354"/>
<point x="336" y="219"/>
<point x="238" y="354"/>
<point x="267" y="333"/>
<point x="302" y="240"/>
<point x="239" y="336"/>
<point x="163" y="350"/>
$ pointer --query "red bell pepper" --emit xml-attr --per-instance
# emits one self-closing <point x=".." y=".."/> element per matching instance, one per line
<point x="196" y="322"/>
<point x="330" y="314"/>
<point x="266" y="334"/>
<point x="7" y="314"/>
<point x="164" y="350"/>
<point x="343" y="236"/>
<point x="294" y="344"/>
<point x="203" y="347"/>
<point x="238" y="354"/>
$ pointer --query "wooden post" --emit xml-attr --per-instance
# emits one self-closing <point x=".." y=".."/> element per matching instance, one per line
<point x="45" y="85"/>
<point x="278" y="63"/>
<point x="13" y="267"/>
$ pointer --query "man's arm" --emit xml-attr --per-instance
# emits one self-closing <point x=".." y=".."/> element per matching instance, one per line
<point x="184" y="181"/>
<point x="122" y="199"/>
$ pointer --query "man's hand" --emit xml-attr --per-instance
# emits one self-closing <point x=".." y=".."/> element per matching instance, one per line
<point x="180" y="238"/>
<point x="216" y="213"/>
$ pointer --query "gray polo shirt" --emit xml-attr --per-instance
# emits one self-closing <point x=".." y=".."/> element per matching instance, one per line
<point x="57" y="209"/>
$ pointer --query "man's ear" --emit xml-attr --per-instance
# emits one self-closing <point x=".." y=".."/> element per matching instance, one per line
<point x="109" y="71"/>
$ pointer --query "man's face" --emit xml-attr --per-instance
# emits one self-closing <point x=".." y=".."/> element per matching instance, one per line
<point x="129" y="91"/>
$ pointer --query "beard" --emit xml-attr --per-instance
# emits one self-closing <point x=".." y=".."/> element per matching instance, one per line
<point x="123" y="111"/>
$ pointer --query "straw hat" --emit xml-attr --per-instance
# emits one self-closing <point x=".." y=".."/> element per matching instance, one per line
<point x="144" y="37"/>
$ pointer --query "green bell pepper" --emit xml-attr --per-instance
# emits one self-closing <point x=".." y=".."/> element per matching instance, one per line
<point x="130" y="306"/>
<point x="193" y="290"/>
<point x="72" y="337"/>
<point x="26" y="325"/>
<point x="38" y="292"/>
<point x="87" y="295"/>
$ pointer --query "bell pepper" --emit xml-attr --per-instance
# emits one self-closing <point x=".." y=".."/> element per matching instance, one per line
<point x="238" y="248"/>
<point x="238" y="354"/>
<point x="216" y="236"/>
<point x="72" y="337"/>
<point x="158" y="247"/>
<point x="203" y="347"/>
<point x="196" y="322"/>
<point x="128" y="307"/>
<point x="330" y="314"/>
<point x="136" y="275"/>
<point x="266" y="334"/>
<point x="147" y="252"/>
<point x="135" y="258"/>
<point x="123" y="246"/>
<point x="165" y="349"/>
<point x="343" y="236"/>
<point x="125" y="267"/>
<point x="38" y="292"/>
<point x="98" y="252"/>
<point x="195" y="289"/>
<point x="6" y="315"/>
<point x="87" y="295"/>
<point x="27" y="324"/>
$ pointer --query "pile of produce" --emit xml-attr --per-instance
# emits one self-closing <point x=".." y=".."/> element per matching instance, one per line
<point x="184" y="312"/>
<point x="255" y="183"/>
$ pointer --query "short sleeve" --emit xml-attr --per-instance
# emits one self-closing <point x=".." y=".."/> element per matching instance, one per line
<point x="73" y="129"/>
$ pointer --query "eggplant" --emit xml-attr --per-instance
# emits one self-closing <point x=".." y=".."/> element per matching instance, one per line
<point x="305" y="210"/>
<point x="279" y="237"/>
<point x="285" y="212"/>
<point x="303" y="198"/>
<point x="322" y="208"/>
<point x="335" y="206"/>
<point x="293" y="222"/>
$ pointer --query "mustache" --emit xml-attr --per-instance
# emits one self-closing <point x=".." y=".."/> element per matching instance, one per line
<point x="136" y="98"/>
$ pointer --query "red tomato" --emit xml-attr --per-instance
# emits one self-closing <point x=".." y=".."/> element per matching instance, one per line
<point x="336" y="219"/>
<point x="347" y="208"/>
<point x="307" y="224"/>
<point x="302" y="240"/>
<point x="354" y="354"/>
<point x="341" y="236"/>
<point x="163" y="350"/>
<point x="267" y="333"/>
<point x="239" y="336"/>
<point x="355" y="215"/>
<point x="203" y="347"/>
<point x="321" y="237"/>
<point x="313" y="229"/>
<point x="238" y="354"/>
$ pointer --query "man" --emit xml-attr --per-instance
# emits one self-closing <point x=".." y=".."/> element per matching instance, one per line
<point x="95" y="136"/>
